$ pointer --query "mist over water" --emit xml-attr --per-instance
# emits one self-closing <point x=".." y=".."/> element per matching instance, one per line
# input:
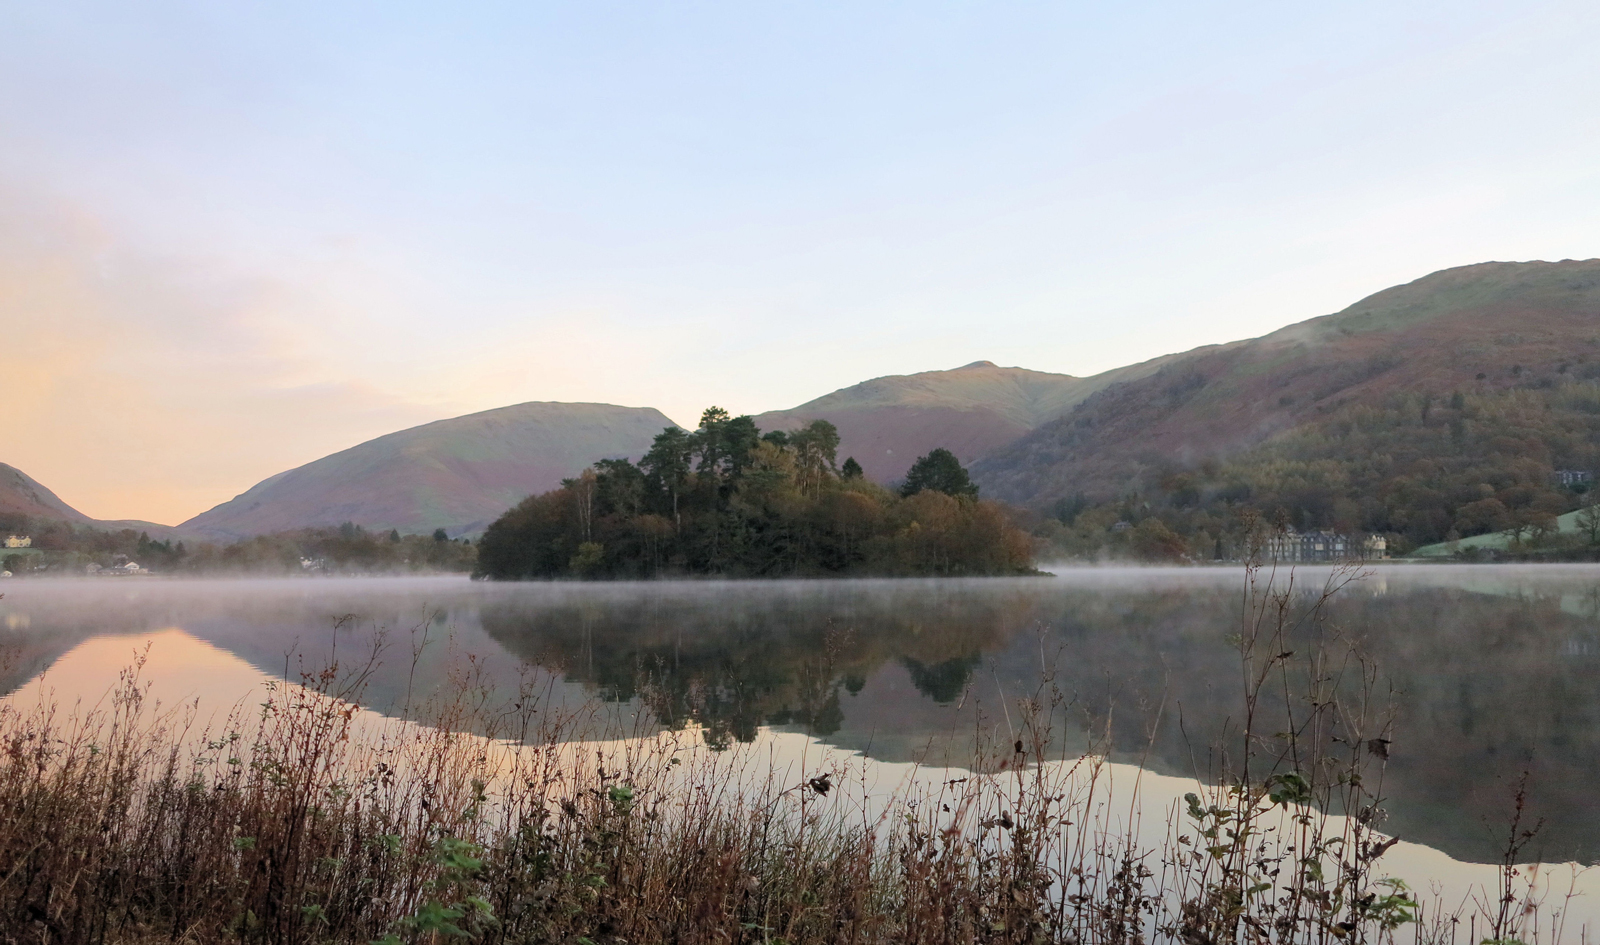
<point x="1492" y="669"/>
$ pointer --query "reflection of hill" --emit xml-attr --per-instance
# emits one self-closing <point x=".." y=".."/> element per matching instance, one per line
<point x="25" y="655"/>
<point x="1485" y="687"/>
<point x="280" y="627"/>
<point x="31" y="642"/>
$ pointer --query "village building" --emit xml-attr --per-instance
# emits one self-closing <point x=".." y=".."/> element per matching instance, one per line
<point x="1574" y="477"/>
<point x="19" y="541"/>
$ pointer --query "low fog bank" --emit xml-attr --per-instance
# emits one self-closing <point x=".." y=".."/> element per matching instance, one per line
<point x="392" y="588"/>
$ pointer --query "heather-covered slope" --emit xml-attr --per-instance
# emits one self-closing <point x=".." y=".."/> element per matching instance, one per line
<point x="1483" y="332"/>
<point x="887" y="422"/>
<point x="454" y="474"/>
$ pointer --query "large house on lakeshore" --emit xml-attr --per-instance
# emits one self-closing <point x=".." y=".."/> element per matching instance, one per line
<point x="16" y="541"/>
<point x="1295" y="547"/>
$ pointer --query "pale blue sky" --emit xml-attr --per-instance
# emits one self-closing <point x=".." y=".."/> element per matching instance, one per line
<point x="281" y="228"/>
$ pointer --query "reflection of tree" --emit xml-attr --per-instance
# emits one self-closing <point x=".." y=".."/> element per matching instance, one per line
<point x="733" y="665"/>
<point x="942" y="682"/>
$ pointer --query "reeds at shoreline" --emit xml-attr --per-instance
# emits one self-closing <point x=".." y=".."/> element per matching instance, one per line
<point x="302" y="820"/>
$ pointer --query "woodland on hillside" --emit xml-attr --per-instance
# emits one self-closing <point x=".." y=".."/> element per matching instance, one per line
<point x="726" y="499"/>
<point x="1418" y="468"/>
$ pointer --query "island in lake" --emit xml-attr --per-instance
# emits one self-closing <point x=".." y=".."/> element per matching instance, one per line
<point x="726" y="499"/>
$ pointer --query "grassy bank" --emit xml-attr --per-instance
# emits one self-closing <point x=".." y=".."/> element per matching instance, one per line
<point x="305" y="819"/>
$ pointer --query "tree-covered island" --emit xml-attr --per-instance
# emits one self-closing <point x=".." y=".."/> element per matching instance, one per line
<point x="726" y="499"/>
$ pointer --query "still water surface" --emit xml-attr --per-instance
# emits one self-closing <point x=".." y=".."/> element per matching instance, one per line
<point x="1493" y="672"/>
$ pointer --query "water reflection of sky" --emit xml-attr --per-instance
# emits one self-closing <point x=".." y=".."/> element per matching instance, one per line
<point x="209" y="682"/>
<point x="1493" y="668"/>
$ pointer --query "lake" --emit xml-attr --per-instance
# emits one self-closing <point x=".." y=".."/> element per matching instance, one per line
<point x="1491" y="673"/>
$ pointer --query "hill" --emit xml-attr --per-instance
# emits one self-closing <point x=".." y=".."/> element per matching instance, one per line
<point x="456" y="474"/>
<point x="1469" y="385"/>
<point x="21" y="495"/>
<point x="887" y="422"/>
<point x="28" y="507"/>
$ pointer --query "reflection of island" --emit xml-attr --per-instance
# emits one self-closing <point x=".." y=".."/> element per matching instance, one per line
<point x="741" y="658"/>
<point x="1487" y="686"/>
<point x="1489" y="681"/>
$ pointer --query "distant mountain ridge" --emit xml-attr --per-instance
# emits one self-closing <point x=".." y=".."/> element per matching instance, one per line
<point x="456" y="474"/>
<point x="887" y="422"/>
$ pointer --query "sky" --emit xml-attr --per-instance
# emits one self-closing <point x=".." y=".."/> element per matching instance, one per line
<point x="235" y="237"/>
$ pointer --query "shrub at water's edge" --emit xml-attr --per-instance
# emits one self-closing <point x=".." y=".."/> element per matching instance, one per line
<point x="727" y="500"/>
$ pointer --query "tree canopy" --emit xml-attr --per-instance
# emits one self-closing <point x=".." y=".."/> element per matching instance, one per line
<point x="940" y="471"/>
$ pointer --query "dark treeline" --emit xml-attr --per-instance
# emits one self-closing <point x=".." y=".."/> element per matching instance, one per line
<point x="66" y="548"/>
<point x="726" y="499"/>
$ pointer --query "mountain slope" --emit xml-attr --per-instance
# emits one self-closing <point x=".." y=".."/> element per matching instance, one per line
<point x="887" y="422"/>
<point x="20" y="494"/>
<point x="1481" y="331"/>
<point x="25" y="505"/>
<point x="456" y="474"/>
